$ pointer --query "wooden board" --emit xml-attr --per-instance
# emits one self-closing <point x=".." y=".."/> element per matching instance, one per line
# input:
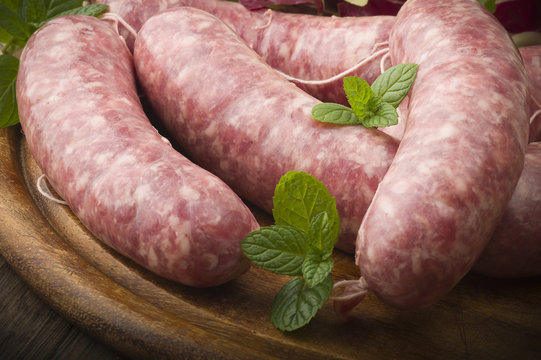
<point x="142" y="315"/>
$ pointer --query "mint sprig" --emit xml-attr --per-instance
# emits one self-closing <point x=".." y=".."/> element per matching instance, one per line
<point x="371" y="105"/>
<point x="19" y="19"/>
<point x="300" y="244"/>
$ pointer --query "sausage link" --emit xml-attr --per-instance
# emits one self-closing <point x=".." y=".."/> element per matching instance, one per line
<point x="87" y="131"/>
<point x="515" y="249"/>
<point x="459" y="159"/>
<point x="305" y="47"/>
<point x="235" y="116"/>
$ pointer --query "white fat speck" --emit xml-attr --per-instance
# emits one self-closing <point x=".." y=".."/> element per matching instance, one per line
<point x="212" y="260"/>
<point x="182" y="239"/>
<point x="98" y="121"/>
<point x="447" y="130"/>
<point x="165" y="140"/>
<point x="186" y="192"/>
<point x="224" y="165"/>
<point x="283" y="51"/>
<point x="82" y="181"/>
<point x="216" y="220"/>
<point x="387" y="205"/>
<point x="400" y="187"/>
<point x="126" y="159"/>
<point x="152" y="258"/>
<point x="102" y="158"/>
<point x="142" y="194"/>
<point x="210" y="131"/>
<point x="173" y="221"/>
<point x="62" y="36"/>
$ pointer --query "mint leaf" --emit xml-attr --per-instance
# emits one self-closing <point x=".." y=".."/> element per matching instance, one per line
<point x="385" y="115"/>
<point x="9" y="66"/>
<point x="490" y="5"/>
<point x="299" y="196"/>
<point x="32" y="12"/>
<point x="12" y="4"/>
<point x="13" y="25"/>
<point x="5" y="37"/>
<point x="89" y="10"/>
<point x="334" y="114"/>
<point x="394" y="84"/>
<point x="322" y="233"/>
<point x="358" y="93"/>
<point x="296" y="303"/>
<point x="279" y="249"/>
<point x="56" y="7"/>
<point x="316" y="266"/>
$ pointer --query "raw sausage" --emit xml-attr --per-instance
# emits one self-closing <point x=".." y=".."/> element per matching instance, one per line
<point x="531" y="56"/>
<point x="459" y="159"/>
<point x="515" y="249"/>
<point x="305" y="47"/>
<point x="235" y="116"/>
<point x="216" y="125"/>
<point x="85" y="127"/>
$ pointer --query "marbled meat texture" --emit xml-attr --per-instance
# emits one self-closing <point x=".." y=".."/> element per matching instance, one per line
<point x="303" y="46"/>
<point x="235" y="116"/>
<point x="85" y="127"/>
<point x="460" y="158"/>
<point x="515" y="249"/>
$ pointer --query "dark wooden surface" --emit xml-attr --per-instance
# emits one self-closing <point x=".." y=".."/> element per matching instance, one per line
<point x="140" y="315"/>
<point x="30" y="329"/>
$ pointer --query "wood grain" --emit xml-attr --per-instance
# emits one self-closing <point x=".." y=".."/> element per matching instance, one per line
<point x="30" y="329"/>
<point x="144" y="316"/>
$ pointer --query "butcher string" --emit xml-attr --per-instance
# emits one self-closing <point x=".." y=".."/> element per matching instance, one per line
<point x="535" y="114"/>
<point x="44" y="190"/>
<point x="382" y="62"/>
<point x="374" y="55"/>
<point x="348" y="289"/>
<point x="268" y="14"/>
<point x="116" y="19"/>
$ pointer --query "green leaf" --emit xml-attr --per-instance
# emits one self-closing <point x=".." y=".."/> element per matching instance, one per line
<point x="56" y="7"/>
<point x="5" y="37"/>
<point x="358" y="2"/>
<point x="335" y="114"/>
<point x="490" y="5"/>
<point x="296" y="303"/>
<point x="13" y="25"/>
<point x="316" y="266"/>
<point x="32" y="12"/>
<point x="9" y="65"/>
<point x="89" y="10"/>
<point x="385" y="115"/>
<point x="322" y="234"/>
<point x="12" y="4"/>
<point x="279" y="249"/>
<point x="299" y="196"/>
<point x="358" y="93"/>
<point x="394" y="84"/>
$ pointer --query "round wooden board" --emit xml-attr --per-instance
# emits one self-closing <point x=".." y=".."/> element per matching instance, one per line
<point x="144" y="316"/>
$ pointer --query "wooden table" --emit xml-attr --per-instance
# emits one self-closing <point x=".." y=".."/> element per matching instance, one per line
<point x="140" y="315"/>
<point x="30" y="329"/>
